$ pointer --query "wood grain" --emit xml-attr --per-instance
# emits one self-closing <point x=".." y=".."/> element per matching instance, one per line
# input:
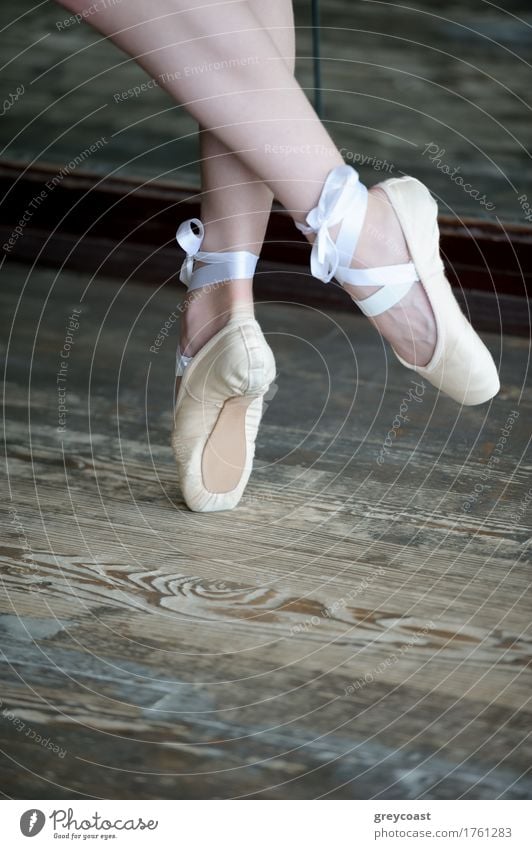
<point x="350" y="631"/>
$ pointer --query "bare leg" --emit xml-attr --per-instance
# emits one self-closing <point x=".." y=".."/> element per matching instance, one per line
<point x="235" y="204"/>
<point x="218" y="60"/>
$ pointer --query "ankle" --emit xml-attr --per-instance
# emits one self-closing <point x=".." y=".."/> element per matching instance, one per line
<point x="207" y="310"/>
<point x="381" y="240"/>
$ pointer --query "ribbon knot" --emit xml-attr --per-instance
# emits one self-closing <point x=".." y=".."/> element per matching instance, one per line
<point x="341" y="192"/>
<point x="190" y="242"/>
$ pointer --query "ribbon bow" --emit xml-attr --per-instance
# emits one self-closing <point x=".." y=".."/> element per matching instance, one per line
<point x="190" y="241"/>
<point x="340" y="193"/>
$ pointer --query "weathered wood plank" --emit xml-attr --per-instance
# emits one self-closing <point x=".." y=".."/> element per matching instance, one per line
<point x="350" y="630"/>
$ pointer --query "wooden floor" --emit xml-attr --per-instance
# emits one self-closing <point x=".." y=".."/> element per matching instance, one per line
<point x="354" y="629"/>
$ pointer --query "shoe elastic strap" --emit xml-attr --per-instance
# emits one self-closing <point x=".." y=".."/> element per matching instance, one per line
<point x="219" y="266"/>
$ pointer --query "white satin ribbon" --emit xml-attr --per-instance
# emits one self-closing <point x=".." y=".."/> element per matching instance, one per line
<point x="190" y="241"/>
<point x="181" y="363"/>
<point x="219" y="265"/>
<point x="342" y="195"/>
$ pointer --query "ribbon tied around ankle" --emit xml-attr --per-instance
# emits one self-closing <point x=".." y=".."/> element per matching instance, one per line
<point x="190" y="242"/>
<point x="342" y="193"/>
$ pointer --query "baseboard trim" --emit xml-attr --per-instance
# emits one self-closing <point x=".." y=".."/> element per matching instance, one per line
<point x="124" y="227"/>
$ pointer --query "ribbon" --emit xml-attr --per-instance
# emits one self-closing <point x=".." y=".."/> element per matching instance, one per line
<point x="190" y="241"/>
<point x="341" y="192"/>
